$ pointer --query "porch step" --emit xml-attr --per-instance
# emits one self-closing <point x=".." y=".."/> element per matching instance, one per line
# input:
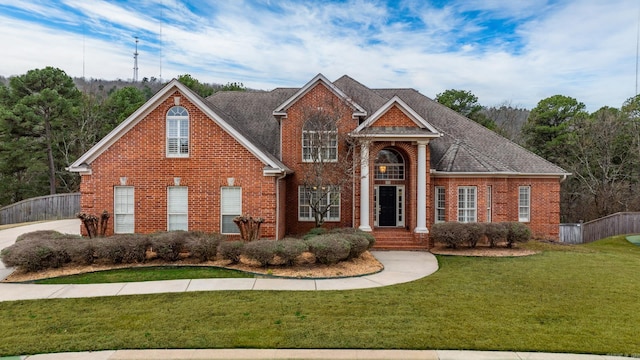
<point x="397" y="240"/>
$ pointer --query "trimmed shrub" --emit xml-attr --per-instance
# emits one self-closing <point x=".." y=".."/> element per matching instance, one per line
<point x="231" y="250"/>
<point x="261" y="251"/>
<point x="289" y="249"/>
<point x="367" y="235"/>
<point x="81" y="251"/>
<point x="451" y="234"/>
<point x="314" y="232"/>
<point x="122" y="248"/>
<point x="35" y="255"/>
<point x="517" y="233"/>
<point x="203" y="246"/>
<point x="329" y="248"/>
<point x="495" y="232"/>
<point x="43" y="235"/>
<point x="358" y="244"/>
<point x="169" y="245"/>
<point x="475" y="232"/>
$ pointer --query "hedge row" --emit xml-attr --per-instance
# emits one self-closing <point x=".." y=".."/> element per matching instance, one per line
<point x="453" y="234"/>
<point x="49" y="249"/>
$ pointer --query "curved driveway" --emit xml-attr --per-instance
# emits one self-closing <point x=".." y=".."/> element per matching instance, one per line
<point x="399" y="267"/>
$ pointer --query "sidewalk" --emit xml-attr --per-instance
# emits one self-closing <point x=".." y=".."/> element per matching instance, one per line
<point x="399" y="267"/>
<point x="291" y="354"/>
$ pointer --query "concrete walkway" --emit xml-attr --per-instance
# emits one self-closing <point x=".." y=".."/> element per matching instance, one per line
<point x="400" y="266"/>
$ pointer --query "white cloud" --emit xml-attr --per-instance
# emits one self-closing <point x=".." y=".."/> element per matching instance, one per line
<point x="577" y="48"/>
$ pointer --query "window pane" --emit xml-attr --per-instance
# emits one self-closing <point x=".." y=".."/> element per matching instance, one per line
<point x="228" y="226"/>
<point x="123" y="209"/>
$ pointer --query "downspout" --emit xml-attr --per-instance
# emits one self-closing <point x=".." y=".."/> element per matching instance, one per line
<point x="278" y="204"/>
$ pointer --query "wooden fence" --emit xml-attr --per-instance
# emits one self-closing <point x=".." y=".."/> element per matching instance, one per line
<point x="614" y="224"/>
<point x="52" y="207"/>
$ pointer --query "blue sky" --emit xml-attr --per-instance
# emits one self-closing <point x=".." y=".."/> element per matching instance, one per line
<point x="504" y="51"/>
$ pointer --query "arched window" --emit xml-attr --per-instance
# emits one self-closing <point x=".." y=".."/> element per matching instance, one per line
<point x="177" y="132"/>
<point x="389" y="165"/>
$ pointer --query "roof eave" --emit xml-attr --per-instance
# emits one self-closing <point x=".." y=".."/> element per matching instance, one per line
<point x="437" y="173"/>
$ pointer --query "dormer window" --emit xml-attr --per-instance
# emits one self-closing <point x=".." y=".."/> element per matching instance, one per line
<point x="177" y="132"/>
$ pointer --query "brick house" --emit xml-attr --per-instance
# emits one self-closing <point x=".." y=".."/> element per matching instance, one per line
<point x="184" y="162"/>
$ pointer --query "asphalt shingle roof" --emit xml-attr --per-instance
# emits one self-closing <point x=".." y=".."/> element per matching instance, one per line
<point x="465" y="146"/>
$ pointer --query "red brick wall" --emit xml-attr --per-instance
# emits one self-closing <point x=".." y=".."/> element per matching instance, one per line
<point x="214" y="156"/>
<point x="394" y="117"/>
<point x="317" y="97"/>
<point x="545" y="201"/>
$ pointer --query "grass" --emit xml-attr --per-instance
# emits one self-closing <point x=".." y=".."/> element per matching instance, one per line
<point x="152" y="273"/>
<point x="581" y="299"/>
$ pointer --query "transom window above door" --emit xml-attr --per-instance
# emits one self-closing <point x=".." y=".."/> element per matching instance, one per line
<point x="389" y="165"/>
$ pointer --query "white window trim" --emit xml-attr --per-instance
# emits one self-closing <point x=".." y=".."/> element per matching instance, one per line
<point x="116" y="214"/>
<point x="440" y="190"/>
<point x="170" y="214"/>
<point x="180" y="118"/>
<point x="463" y="210"/>
<point x="225" y="212"/>
<point x="309" y="159"/>
<point x="327" y="218"/>
<point x="524" y="210"/>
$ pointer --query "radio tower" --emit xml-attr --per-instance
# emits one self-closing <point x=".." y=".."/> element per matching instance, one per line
<point x="135" y="63"/>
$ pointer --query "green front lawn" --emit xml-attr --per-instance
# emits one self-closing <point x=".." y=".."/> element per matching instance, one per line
<point x="568" y="299"/>
<point x="152" y="273"/>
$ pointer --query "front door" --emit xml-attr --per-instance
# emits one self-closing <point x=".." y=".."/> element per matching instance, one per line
<point x="387" y="206"/>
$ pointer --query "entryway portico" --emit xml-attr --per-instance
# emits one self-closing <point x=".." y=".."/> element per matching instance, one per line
<point x="394" y="170"/>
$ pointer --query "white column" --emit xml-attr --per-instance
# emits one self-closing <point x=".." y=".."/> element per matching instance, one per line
<point x="422" y="189"/>
<point x="364" y="187"/>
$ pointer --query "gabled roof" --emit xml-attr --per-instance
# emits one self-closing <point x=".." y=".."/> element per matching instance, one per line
<point x="423" y="127"/>
<point x="498" y="155"/>
<point x="272" y="163"/>
<point x="319" y="79"/>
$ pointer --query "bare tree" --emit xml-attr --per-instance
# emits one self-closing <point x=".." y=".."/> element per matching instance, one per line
<point x="329" y="158"/>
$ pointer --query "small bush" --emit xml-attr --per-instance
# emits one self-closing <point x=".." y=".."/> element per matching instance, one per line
<point x="475" y="232"/>
<point x="231" y="250"/>
<point x="123" y="248"/>
<point x="203" y="246"/>
<point x="289" y="249"/>
<point x="517" y="233"/>
<point x="261" y="251"/>
<point x="169" y="245"/>
<point x="367" y="235"/>
<point x="358" y="244"/>
<point x="41" y="235"/>
<point x="495" y="233"/>
<point x="35" y="255"/>
<point x="451" y="234"/>
<point x="329" y="248"/>
<point x="81" y="251"/>
<point x="315" y="232"/>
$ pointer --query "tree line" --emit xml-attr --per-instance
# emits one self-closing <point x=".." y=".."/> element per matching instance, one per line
<point x="48" y="120"/>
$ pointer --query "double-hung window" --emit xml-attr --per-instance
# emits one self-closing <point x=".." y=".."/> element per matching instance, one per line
<point x="313" y="201"/>
<point x="177" y="208"/>
<point x="177" y="132"/>
<point x="467" y="204"/>
<point x="440" y="204"/>
<point x="319" y="138"/>
<point x="231" y="207"/>
<point x="124" y="209"/>
<point x="524" y="203"/>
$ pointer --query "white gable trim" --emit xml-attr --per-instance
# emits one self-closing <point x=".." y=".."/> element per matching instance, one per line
<point x="82" y="164"/>
<point x="406" y="109"/>
<point x="282" y="109"/>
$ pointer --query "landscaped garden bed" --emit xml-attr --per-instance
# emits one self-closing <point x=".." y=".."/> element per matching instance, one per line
<point x="338" y="253"/>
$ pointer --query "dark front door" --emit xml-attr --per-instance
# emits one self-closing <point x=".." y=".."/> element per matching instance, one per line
<point x="387" y="202"/>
